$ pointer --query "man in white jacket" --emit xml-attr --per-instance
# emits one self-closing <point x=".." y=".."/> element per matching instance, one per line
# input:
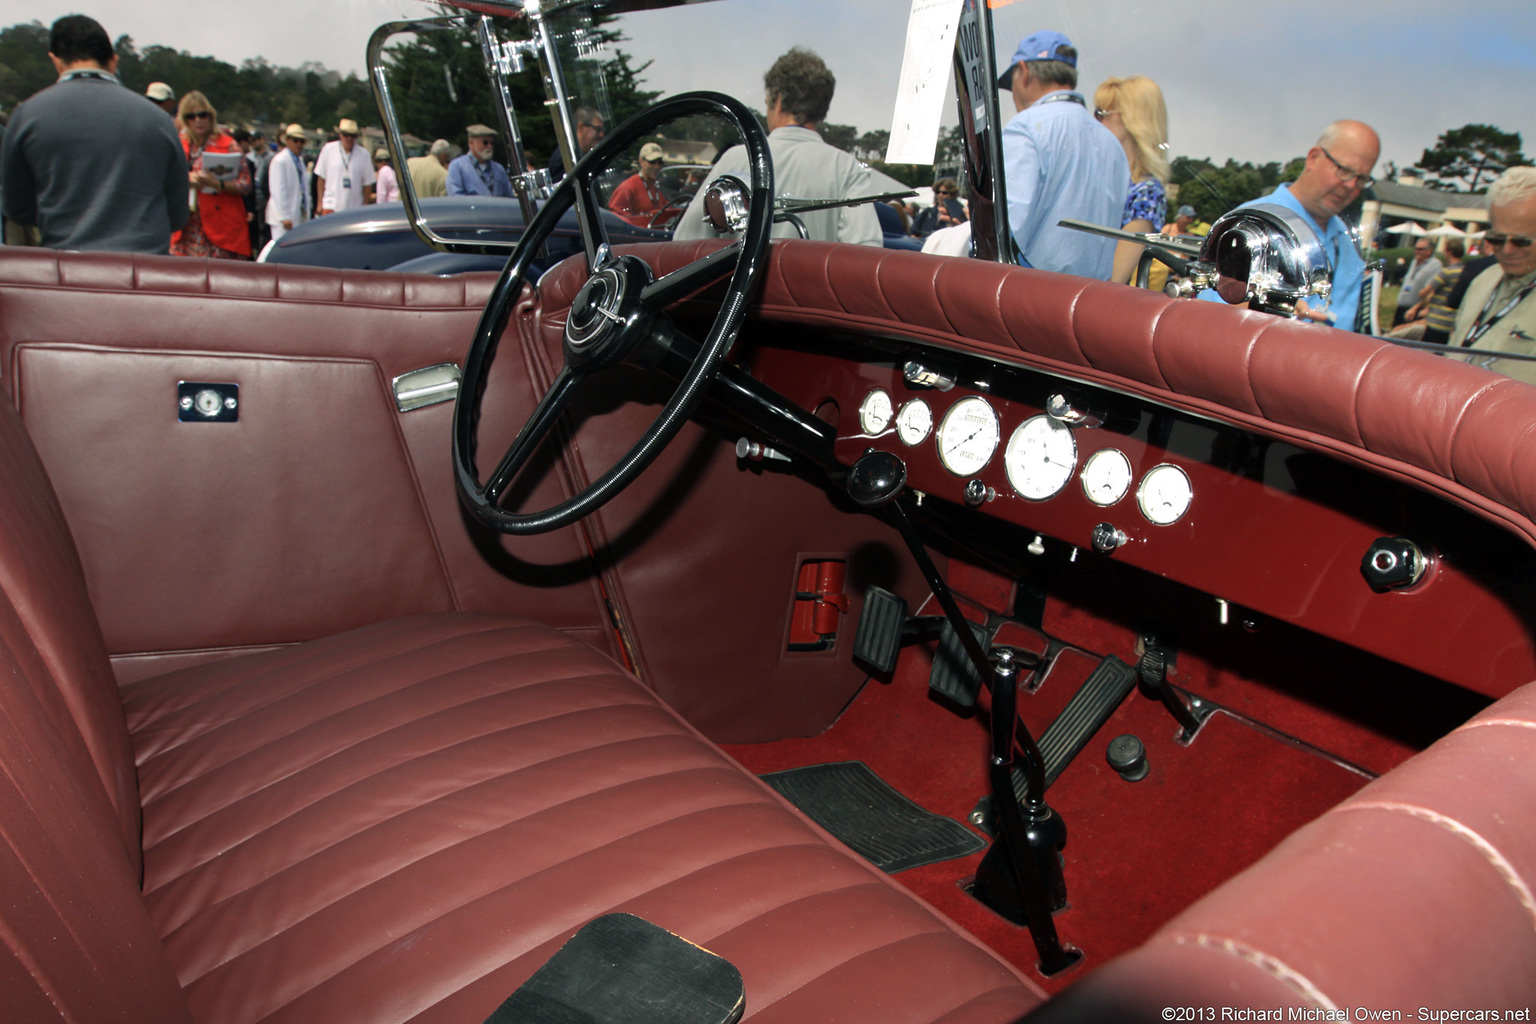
<point x="288" y="183"/>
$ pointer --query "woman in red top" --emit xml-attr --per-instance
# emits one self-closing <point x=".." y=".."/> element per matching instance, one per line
<point x="217" y="227"/>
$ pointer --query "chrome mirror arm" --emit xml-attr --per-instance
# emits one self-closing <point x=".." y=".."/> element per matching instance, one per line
<point x="501" y="60"/>
<point x="378" y="78"/>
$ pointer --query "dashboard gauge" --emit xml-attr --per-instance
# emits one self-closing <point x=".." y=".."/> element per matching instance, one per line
<point x="968" y="436"/>
<point x="914" y="422"/>
<point x="1106" y="476"/>
<point x="1040" y="458"/>
<point x="1165" y="494"/>
<point x="876" y="411"/>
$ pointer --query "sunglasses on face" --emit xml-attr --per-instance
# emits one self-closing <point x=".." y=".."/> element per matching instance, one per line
<point x="1101" y="113"/>
<point x="1518" y="241"/>
<point x="196" y="113"/>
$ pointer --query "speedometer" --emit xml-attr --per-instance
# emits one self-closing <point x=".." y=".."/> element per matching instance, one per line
<point x="968" y="436"/>
<point x="1040" y="458"/>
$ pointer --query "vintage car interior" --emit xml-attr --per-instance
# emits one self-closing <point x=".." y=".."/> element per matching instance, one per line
<point x="1193" y="641"/>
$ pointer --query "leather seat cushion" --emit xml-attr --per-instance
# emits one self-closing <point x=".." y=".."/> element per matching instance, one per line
<point x="404" y="821"/>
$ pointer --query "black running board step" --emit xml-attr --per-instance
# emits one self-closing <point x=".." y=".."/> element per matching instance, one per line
<point x="1084" y="715"/>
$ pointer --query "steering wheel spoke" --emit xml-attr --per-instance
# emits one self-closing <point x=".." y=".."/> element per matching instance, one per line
<point x="554" y="402"/>
<point x="696" y="276"/>
<point x="616" y="317"/>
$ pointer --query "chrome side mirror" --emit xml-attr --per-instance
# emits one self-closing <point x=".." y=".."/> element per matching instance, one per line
<point x="1263" y="255"/>
<point x="725" y="204"/>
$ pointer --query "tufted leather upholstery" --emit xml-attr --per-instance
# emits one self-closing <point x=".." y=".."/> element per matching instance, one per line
<point x="401" y="822"/>
<point x="1448" y="427"/>
<point x="397" y="823"/>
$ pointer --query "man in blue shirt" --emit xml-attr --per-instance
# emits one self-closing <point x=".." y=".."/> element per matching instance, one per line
<point x="1058" y="161"/>
<point x="1338" y="169"/>
<point x="475" y="173"/>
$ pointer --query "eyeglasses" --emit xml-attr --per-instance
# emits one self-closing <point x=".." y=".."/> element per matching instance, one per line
<point x="347" y="135"/>
<point x="600" y="129"/>
<point x="1518" y="241"/>
<point x="196" y="113"/>
<point x="946" y="193"/>
<point x="1101" y="113"/>
<point x="1348" y="176"/>
<point x="656" y="161"/>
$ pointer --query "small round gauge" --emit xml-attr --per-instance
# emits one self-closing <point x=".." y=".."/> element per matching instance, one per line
<point x="1165" y="494"/>
<point x="968" y="436"/>
<point x="914" y="422"/>
<point x="876" y="411"/>
<point x="1106" y="476"/>
<point x="1040" y="457"/>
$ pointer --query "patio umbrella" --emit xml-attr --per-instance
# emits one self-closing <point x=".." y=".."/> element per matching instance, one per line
<point x="1446" y="231"/>
<point x="1407" y="227"/>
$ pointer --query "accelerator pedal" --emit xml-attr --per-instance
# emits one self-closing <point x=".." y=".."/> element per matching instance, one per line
<point x="1084" y="715"/>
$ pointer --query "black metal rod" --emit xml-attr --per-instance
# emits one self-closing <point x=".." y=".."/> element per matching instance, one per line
<point x="1034" y="766"/>
<point x="1014" y="831"/>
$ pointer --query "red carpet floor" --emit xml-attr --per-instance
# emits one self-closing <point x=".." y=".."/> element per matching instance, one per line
<point x="1137" y="853"/>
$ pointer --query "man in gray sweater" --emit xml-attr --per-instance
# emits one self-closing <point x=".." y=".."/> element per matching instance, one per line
<point x="90" y="163"/>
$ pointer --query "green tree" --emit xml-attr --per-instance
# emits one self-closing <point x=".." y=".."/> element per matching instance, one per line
<point x="1469" y="158"/>
<point x="24" y="64"/>
<point x="438" y="85"/>
<point x="1213" y="190"/>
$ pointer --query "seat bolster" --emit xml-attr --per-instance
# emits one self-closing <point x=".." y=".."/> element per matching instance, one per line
<point x="404" y="821"/>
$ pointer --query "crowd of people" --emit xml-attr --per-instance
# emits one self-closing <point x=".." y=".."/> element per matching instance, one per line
<point x="182" y="184"/>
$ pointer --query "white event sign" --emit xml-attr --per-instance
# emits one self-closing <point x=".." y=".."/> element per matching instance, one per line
<point x="925" y="74"/>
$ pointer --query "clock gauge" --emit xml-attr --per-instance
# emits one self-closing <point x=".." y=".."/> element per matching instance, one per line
<point x="914" y="422"/>
<point x="1040" y="458"/>
<point x="1106" y="476"/>
<point x="876" y="411"/>
<point x="1165" y="494"/>
<point x="968" y="436"/>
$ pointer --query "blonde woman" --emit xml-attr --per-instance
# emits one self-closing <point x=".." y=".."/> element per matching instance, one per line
<point x="217" y="227"/>
<point x="1133" y="109"/>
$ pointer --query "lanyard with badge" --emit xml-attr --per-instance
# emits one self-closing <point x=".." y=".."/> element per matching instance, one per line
<point x="1483" y="324"/>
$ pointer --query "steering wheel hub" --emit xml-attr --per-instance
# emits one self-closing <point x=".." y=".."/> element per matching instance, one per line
<point x="607" y="319"/>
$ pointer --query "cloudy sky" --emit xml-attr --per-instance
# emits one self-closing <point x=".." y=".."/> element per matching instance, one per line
<point x="1249" y="79"/>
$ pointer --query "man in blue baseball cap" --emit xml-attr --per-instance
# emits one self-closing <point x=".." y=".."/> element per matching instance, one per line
<point x="1058" y="161"/>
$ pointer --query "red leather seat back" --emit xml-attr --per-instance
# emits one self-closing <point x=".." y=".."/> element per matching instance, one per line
<point x="77" y="943"/>
<point x="40" y="574"/>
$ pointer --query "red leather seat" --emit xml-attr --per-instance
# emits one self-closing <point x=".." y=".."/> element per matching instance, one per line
<point x="398" y="823"/>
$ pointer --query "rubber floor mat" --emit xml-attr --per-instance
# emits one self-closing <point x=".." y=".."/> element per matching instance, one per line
<point x="853" y="803"/>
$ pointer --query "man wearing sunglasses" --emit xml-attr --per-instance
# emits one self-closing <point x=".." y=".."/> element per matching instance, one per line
<point x="86" y="137"/>
<point x="1498" y="313"/>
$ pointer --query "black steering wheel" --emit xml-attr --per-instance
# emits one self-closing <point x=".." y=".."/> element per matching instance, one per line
<point x="616" y="316"/>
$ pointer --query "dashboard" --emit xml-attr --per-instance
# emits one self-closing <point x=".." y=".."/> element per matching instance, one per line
<point x="1258" y="524"/>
